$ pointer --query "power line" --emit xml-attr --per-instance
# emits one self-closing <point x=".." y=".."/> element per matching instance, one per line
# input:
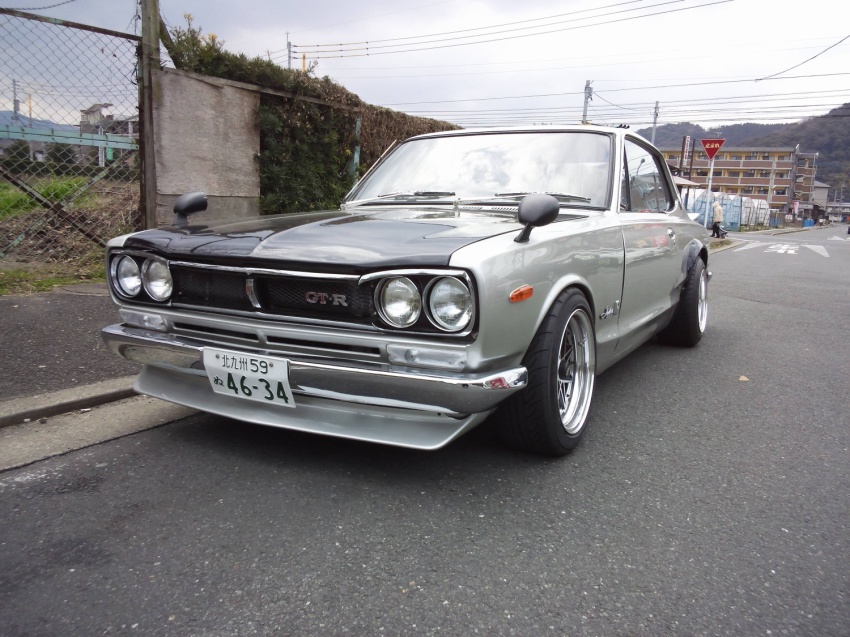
<point x="612" y="90"/>
<point x="804" y="61"/>
<point x="370" y="17"/>
<point x="52" y="6"/>
<point x="612" y="104"/>
<point x="758" y="46"/>
<point x="494" y="26"/>
<point x="727" y="99"/>
<point x="633" y="123"/>
<point x="527" y="35"/>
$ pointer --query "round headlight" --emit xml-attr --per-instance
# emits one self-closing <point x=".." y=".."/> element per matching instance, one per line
<point x="450" y="304"/>
<point x="125" y="272"/>
<point x="399" y="302"/>
<point x="157" y="279"/>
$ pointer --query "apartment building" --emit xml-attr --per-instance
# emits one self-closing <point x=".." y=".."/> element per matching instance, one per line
<point x="784" y="177"/>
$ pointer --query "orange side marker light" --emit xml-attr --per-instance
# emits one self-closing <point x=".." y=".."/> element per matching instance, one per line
<point x="522" y="293"/>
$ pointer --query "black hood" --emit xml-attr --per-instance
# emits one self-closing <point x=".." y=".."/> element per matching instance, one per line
<point x="375" y="238"/>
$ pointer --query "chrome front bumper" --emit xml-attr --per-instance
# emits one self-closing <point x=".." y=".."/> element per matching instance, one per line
<point x="174" y="371"/>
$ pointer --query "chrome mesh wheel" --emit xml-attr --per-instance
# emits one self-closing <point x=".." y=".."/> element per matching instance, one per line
<point x="576" y="371"/>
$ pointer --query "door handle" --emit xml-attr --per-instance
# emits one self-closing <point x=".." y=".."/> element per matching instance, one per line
<point x="672" y="235"/>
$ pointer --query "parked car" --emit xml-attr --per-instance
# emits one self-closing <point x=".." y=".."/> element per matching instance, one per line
<point x="467" y="274"/>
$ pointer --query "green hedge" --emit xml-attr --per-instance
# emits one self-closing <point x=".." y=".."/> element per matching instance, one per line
<point x="306" y="149"/>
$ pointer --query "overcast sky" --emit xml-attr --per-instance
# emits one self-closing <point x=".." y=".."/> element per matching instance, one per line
<point x="698" y="58"/>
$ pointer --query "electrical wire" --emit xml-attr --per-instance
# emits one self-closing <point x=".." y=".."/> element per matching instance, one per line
<point x="635" y="88"/>
<point x="757" y="46"/>
<point x="804" y="61"/>
<point x="494" y="26"/>
<point x="615" y="105"/>
<point x="737" y="99"/>
<point x="52" y="6"/>
<point x="370" y="17"/>
<point x="527" y="35"/>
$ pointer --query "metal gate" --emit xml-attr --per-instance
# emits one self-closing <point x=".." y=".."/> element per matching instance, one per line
<point x="69" y="132"/>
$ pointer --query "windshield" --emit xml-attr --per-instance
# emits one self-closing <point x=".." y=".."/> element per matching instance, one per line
<point x="573" y="165"/>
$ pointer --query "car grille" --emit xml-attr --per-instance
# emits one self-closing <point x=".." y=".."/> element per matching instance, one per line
<point x="285" y="295"/>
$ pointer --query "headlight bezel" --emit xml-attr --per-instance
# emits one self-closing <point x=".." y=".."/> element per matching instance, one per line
<point x="117" y="277"/>
<point x="432" y="314"/>
<point x="142" y="260"/>
<point x="425" y="279"/>
<point x="148" y="282"/>
<point x="380" y="304"/>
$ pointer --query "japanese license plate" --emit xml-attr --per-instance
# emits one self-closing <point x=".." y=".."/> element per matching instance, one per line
<point x="251" y="376"/>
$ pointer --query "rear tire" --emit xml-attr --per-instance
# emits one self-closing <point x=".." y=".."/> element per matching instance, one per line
<point x="691" y="315"/>
<point x="549" y="416"/>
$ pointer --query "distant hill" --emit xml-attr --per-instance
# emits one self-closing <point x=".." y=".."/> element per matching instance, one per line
<point x="7" y="119"/>
<point x="670" y="135"/>
<point x="828" y="135"/>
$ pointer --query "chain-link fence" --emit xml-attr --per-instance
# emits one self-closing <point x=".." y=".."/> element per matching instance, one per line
<point x="69" y="130"/>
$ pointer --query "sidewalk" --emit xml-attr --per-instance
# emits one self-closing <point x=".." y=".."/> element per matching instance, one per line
<point x="51" y="343"/>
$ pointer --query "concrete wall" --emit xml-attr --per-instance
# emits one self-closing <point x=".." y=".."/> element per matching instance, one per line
<point x="206" y="139"/>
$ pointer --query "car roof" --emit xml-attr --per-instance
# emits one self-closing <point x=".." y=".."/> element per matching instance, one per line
<point x="583" y="128"/>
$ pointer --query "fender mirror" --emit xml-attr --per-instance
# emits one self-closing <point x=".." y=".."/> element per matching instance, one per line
<point x="534" y="211"/>
<point x="187" y="204"/>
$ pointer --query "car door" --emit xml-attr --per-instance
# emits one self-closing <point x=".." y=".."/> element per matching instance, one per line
<point x="653" y="246"/>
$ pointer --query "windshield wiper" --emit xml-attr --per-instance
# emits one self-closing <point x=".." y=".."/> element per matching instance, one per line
<point x="416" y="194"/>
<point x="565" y="196"/>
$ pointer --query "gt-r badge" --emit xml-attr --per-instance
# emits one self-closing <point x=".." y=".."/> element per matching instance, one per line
<point x="323" y="298"/>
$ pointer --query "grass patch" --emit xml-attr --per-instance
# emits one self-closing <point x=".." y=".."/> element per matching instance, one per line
<point x="29" y="280"/>
<point x="14" y="201"/>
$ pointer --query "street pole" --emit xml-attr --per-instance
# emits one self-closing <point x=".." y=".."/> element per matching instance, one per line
<point x="588" y="95"/>
<point x="709" y="195"/>
<point x="654" y="124"/>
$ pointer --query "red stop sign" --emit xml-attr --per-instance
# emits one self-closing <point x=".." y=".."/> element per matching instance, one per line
<point x="712" y="146"/>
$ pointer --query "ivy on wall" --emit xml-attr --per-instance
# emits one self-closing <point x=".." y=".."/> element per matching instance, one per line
<point x="306" y="148"/>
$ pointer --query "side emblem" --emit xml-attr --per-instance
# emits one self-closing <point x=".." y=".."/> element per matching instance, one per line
<point x="610" y="311"/>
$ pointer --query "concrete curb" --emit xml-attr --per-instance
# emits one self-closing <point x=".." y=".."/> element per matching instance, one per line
<point x="734" y="243"/>
<point x="17" y="410"/>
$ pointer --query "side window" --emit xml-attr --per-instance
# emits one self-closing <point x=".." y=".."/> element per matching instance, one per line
<point x="647" y="186"/>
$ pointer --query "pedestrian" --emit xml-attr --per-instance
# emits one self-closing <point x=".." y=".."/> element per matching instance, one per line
<point x="718" y="217"/>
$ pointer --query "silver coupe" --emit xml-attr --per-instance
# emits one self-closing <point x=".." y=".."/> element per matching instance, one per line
<point x="468" y="274"/>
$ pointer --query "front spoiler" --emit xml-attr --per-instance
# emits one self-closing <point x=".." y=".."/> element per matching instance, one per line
<point x="423" y="410"/>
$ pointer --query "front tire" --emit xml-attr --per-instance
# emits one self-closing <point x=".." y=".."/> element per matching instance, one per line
<point x="549" y="416"/>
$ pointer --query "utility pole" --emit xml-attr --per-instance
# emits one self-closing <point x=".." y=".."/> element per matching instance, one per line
<point x="29" y="105"/>
<point x="16" y="104"/>
<point x="588" y="95"/>
<point x="149" y="60"/>
<point x="288" y="52"/>
<point x="654" y="124"/>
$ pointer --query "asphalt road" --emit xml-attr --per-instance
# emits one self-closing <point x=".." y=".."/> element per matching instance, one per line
<point x="52" y="341"/>
<point x="711" y="496"/>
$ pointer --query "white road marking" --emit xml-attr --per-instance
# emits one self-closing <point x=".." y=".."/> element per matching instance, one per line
<point x="819" y="249"/>
<point x="838" y="239"/>
<point x="783" y="248"/>
<point x="753" y="244"/>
